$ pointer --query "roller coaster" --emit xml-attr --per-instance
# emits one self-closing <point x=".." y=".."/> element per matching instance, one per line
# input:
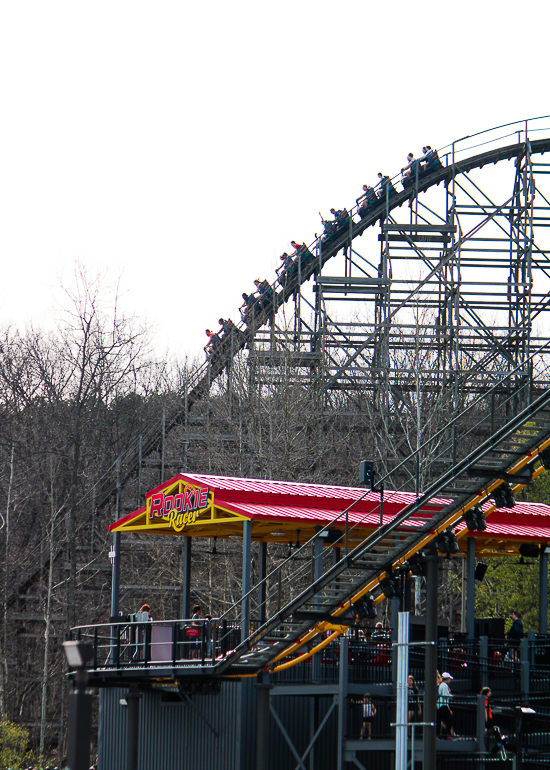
<point x="452" y="312"/>
<point x="455" y="298"/>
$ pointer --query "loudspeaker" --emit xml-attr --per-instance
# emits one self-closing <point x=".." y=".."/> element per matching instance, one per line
<point x="481" y="569"/>
<point x="493" y="627"/>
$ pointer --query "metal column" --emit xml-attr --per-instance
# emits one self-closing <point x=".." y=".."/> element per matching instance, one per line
<point x="262" y="589"/>
<point x="430" y="663"/>
<point x="115" y="573"/>
<point x="394" y="605"/>
<point x="470" y="587"/>
<point x="132" y="730"/>
<point x="186" y="578"/>
<point x="543" y="591"/>
<point x="342" y="693"/>
<point x="317" y="555"/>
<point x="247" y="557"/>
<point x="263" y="721"/>
<point x="402" y="692"/>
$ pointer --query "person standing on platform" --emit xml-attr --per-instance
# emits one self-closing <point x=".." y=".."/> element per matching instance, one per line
<point x="369" y="712"/>
<point x="414" y="700"/>
<point x="514" y="634"/>
<point x="379" y="635"/>
<point x="144" y="614"/>
<point x="445" y="721"/>
<point x="196" y="643"/>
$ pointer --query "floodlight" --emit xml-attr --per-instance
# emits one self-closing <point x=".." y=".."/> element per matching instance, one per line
<point x="77" y="653"/>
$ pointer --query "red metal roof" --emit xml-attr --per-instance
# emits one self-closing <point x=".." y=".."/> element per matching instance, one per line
<point x="287" y="502"/>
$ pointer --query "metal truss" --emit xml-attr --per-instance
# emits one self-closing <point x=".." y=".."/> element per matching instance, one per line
<point x="432" y="302"/>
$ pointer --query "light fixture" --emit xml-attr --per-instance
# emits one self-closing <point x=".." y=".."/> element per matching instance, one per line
<point x="475" y="519"/>
<point x="417" y="564"/>
<point x="389" y="586"/>
<point x="278" y="534"/>
<point x="366" y="473"/>
<point x="529" y="550"/>
<point x="504" y="496"/>
<point x="480" y="570"/>
<point x="447" y="543"/>
<point x="77" y="653"/>
<point x="545" y="458"/>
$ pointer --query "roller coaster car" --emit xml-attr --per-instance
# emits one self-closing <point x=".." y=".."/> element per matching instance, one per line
<point x="432" y="164"/>
<point x="333" y="229"/>
<point x="386" y="185"/>
<point x="419" y="171"/>
<point x="306" y="257"/>
<point x="370" y="205"/>
<point x="415" y="173"/>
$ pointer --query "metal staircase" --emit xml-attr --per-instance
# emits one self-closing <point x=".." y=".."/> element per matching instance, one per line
<point x="503" y="449"/>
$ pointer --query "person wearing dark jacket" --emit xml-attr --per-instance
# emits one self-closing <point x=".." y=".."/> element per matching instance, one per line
<point x="515" y="632"/>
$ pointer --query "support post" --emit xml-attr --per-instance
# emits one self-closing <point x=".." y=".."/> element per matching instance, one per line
<point x="402" y="693"/>
<point x="263" y="721"/>
<point x="115" y="575"/>
<point x="525" y="663"/>
<point x="342" y="699"/>
<point x="247" y="556"/>
<point x="80" y="724"/>
<point x="430" y="662"/>
<point x="480" y="723"/>
<point x="132" y="730"/>
<point x="395" y="606"/>
<point x="186" y="578"/>
<point x="543" y="591"/>
<point x="262" y="590"/>
<point x="470" y="587"/>
<point x="317" y="556"/>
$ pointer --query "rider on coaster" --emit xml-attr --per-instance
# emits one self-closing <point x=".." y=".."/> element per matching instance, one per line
<point x="385" y="186"/>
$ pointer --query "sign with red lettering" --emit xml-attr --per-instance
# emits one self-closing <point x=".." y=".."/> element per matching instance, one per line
<point x="177" y="510"/>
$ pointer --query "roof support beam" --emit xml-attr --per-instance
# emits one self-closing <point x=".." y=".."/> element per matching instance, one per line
<point x="543" y="591"/>
<point x="247" y="558"/>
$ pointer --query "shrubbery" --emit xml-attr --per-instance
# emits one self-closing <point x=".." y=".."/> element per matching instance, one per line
<point x="13" y="745"/>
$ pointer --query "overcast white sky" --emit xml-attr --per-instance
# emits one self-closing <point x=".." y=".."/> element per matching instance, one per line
<point x="186" y="143"/>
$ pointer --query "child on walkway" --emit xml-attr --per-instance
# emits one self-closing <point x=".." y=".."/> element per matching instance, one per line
<point x="369" y="712"/>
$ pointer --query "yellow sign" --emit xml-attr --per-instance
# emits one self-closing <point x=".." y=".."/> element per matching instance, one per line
<point x="177" y="510"/>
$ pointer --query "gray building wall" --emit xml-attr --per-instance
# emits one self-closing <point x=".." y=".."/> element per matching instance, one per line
<point x="214" y="730"/>
<point x="204" y="732"/>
